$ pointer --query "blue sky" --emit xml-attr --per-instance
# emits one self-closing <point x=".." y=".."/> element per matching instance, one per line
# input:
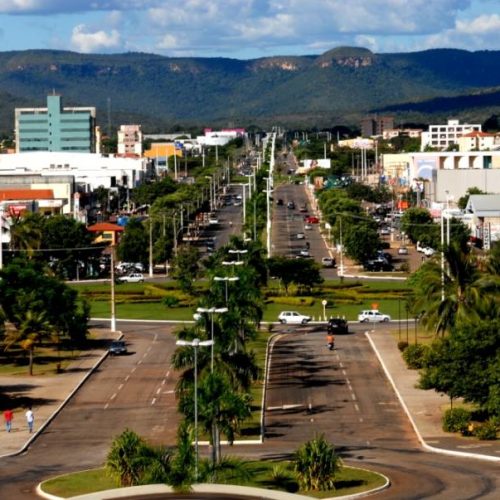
<point x="245" y="29"/>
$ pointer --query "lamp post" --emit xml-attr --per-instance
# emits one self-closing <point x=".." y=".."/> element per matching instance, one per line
<point x="212" y="311"/>
<point x="195" y="344"/>
<point x="226" y="279"/>
<point x="323" y="303"/>
<point x="238" y="252"/>
<point x="113" y="305"/>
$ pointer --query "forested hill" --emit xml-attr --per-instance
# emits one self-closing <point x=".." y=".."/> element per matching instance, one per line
<point x="340" y="85"/>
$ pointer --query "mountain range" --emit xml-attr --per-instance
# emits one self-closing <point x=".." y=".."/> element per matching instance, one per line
<point x="337" y="87"/>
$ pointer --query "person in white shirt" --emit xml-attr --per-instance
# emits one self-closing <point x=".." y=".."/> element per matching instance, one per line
<point x="30" y="419"/>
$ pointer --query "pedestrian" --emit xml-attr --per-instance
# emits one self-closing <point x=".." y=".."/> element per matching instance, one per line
<point x="8" y="415"/>
<point x="30" y="419"/>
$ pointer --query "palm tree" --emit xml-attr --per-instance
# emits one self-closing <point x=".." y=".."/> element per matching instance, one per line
<point x="30" y="329"/>
<point x="467" y="291"/>
<point x="26" y="234"/>
<point x="316" y="464"/>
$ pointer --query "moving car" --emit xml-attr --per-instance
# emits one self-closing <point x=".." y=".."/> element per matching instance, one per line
<point x="293" y="318"/>
<point x="328" y="262"/>
<point x="307" y="227"/>
<point x="131" y="278"/>
<point x="378" y="265"/>
<point x="312" y="219"/>
<point x="337" y="325"/>
<point x="429" y="252"/>
<point x="304" y="252"/>
<point x="291" y="205"/>
<point x="373" y="316"/>
<point x="402" y="251"/>
<point x="117" y="347"/>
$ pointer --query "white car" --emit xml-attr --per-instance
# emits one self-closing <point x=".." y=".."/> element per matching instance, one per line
<point x="132" y="278"/>
<point x="293" y="318"/>
<point x="429" y="252"/>
<point x="373" y="316"/>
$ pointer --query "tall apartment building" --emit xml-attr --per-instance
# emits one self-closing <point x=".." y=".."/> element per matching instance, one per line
<point x="55" y="128"/>
<point x="130" y="140"/>
<point x="376" y="125"/>
<point x="443" y="136"/>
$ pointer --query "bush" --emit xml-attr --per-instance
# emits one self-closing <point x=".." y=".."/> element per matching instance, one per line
<point x="486" y="431"/>
<point x="293" y="301"/>
<point x="415" y="356"/>
<point x="456" y="420"/>
<point x="402" y="345"/>
<point x="170" y="301"/>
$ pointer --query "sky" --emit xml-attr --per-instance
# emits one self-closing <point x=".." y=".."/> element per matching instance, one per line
<point x="248" y="29"/>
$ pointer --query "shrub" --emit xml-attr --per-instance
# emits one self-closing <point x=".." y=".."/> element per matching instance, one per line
<point x="486" y="431"/>
<point x="293" y="301"/>
<point x="170" y="301"/>
<point x="456" y="420"/>
<point x="402" y="345"/>
<point x="415" y="356"/>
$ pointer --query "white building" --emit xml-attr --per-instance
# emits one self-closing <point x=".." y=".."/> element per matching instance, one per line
<point x="443" y="136"/>
<point x="90" y="170"/>
<point x="476" y="141"/>
<point x="130" y="140"/>
<point x="220" y="137"/>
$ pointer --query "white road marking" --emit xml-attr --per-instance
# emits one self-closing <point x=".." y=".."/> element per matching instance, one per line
<point x="341" y="365"/>
<point x="163" y="382"/>
<point x="348" y="381"/>
<point x="159" y="390"/>
<point x="344" y="373"/>
<point x="133" y="370"/>
<point x="168" y="374"/>
<point x="360" y="419"/>
<point x="126" y="378"/>
<point x="284" y="407"/>
<point x="106" y="406"/>
<point x="148" y="349"/>
<point x="139" y="362"/>
<point x="356" y="406"/>
<point x="169" y="392"/>
<point x="120" y="387"/>
<point x="353" y="396"/>
<point x="113" y="396"/>
<point x="154" y="401"/>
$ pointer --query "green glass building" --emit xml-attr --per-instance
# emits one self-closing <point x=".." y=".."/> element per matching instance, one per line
<point x="55" y="128"/>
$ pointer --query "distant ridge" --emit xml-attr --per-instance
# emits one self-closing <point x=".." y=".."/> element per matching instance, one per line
<point x="337" y="87"/>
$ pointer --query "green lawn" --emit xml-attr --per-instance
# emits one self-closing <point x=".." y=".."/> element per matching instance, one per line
<point x="349" y="481"/>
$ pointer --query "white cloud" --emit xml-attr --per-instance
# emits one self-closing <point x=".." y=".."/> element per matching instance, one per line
<point x="482" y="25"/>
<point x="84" y="40"/>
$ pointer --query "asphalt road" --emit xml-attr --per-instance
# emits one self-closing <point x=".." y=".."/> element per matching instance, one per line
<point x="133" y="391"/>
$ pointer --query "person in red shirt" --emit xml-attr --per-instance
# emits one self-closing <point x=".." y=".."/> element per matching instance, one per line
<point x="8" y="415"/>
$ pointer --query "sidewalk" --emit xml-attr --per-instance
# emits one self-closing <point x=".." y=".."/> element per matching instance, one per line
<point x="46" y="394"/>
<point x="425" y="408"/>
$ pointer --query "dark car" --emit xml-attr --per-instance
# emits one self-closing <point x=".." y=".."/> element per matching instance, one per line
<point x="117" y="347"/>
<point x="337" y="326"/>
<point x="279" y="202"/>
<point x="378" y="265"/>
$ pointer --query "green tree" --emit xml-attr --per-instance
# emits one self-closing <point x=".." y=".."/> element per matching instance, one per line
<point x="302" y="272"/>
<point x="465" y="294"/>
<point x="26" y="233"/>
<point x="466" y="364"/>
<point x="186" y="267"/>
<point x="148" y="193"/>
<point x="361" y="240"/>
<point x="31" y="328"/>
<point x="23" y="278"/>
<point x="316" y="465"/>
<point x="134" y="244"/>
<point x="418" y="225"/>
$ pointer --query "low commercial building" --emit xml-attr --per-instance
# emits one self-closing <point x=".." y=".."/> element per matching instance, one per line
<point x="485" y="211"/>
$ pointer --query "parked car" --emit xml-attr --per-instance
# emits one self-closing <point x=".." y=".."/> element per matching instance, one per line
<point x="304" y="252"/>
<point x="131" y="278"/>
<point x="373" y="316"/>
<point x="303" y="208"/>
<point x="213" y="220"/>
<point x="291" y="205"/>
<point x="307" y="227"/>
<point x="279" y="202"/>
<point x="385" y="231"/>
<point x="300" y="236"/>
<point x="337" y="325"/>
<point x="429" y="252"/>
<point x="328" y="262"/>
<point x="402" y="251"/>
<point x="117" y="347"/>
<point x="312" y="219"/>
<point x="293" y="318"/>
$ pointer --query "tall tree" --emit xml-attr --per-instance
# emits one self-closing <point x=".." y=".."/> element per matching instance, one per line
<point x="134" y="244"/>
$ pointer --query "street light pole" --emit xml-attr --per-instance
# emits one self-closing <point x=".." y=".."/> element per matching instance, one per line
<point x="212" y="311"/>
<point x="113" y="305"/>
<point x="226" y="279"/>
<point x="195" y="344"/>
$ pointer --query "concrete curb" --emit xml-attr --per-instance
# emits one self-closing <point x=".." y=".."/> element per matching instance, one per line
<point x="462" y="454"/>
<point x="61" y="406"/>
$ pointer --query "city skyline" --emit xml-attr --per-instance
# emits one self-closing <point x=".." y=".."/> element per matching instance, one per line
<point x="247" y="29"/>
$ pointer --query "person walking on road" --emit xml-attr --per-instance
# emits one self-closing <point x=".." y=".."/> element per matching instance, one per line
<point x="8" y="415"/>
<point x="30" y="419"/>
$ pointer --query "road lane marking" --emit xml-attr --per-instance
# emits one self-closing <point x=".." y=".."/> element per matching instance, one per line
<point x="163" y="382"/>
<point x="139" y="362"/>
<point x="106" y="406"/>
<point x="158" y="390"/>
<point x="168" y="374"/>
<point x="361" y="419"/>
<point x="353" y="396"/>
<point x="113" y="396"/>
<point x="154" y="401"/>
<point x="171" y="391"/>
<point x="133" y="369"/>
<point x="344" y="373"/>
<point x="126" y="378"/>
<point x="284" y="407"/>
<point x="356" y="406"/>
<point x="341" y="365"/>
<point x="120" y="387"/>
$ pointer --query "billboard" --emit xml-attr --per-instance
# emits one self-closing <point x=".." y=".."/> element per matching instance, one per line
<point x="424" y="167"/>
<point x="320" y="163"/>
